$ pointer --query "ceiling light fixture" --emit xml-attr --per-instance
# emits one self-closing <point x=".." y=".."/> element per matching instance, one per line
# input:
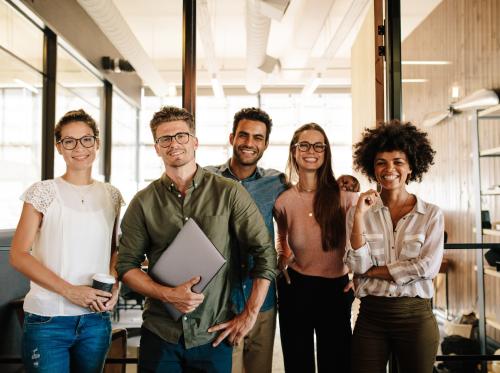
<point x="116" y="65"/>
<point x="425" y="63"/>
<point x="414" y="80"/>
<point x="455" y="92"/>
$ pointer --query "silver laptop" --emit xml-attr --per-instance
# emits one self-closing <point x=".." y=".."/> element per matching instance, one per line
<point x="189" y="255"/>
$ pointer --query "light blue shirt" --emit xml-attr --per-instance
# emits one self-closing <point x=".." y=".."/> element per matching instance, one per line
<point x="264" y="185"/>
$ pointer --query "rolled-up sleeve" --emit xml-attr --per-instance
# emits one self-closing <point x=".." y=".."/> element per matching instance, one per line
<point x="426" y="265"/>
<point x="251" y="233"/>
<point x="359" y="261"/>
<point x="134" y="239"/>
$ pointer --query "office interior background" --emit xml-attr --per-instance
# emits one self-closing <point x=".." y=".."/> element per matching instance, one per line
<point x="301" y="61"/>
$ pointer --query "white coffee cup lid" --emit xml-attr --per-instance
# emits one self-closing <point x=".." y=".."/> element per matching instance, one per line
<point x="104" y="277"/>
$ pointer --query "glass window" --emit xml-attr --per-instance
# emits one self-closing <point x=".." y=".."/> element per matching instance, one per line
<point x="124" y="148"/>
<point x="332" y="111"/>
<point x="214" y="123"/>
<point x="78" y="88"/>
<point x="20" y="36"/>
<point x="20" y="131"/>
<point x="150" y="165"/>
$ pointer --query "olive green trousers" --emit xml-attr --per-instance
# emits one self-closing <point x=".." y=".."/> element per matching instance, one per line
<point x="404" y="327"/>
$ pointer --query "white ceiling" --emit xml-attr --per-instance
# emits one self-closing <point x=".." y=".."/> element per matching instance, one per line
<point x="305" y="40"/>
<point x="295" y="40"/>
<point x="300" y="40"/>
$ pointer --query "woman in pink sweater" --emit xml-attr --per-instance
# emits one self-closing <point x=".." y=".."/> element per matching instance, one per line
<point x="314" y="298"/>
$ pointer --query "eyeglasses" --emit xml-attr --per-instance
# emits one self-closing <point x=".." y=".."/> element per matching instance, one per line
<point x="69" y="143"/>
<point x="304" y="146"/>
<point x="181" y="138"/>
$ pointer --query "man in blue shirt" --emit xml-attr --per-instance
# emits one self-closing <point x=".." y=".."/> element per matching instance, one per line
<point x="250" y="138"/>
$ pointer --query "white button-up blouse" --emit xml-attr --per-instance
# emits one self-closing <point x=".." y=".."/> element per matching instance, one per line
<point x="412" y="251"/>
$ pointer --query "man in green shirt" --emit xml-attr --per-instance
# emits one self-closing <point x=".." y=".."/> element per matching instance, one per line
<point x="227" y="214"/>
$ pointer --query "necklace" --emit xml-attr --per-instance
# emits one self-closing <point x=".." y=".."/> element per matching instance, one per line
<point x="310" y="213"/>
<point x="79" y="189"/>
<point x="399" y="211"/>
<point x="304" y="189"/>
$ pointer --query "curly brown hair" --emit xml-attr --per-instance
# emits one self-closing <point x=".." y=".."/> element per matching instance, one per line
<point x="171" y="114"/>
<point x="395" y="135"/>
<point x="75" y="116"/>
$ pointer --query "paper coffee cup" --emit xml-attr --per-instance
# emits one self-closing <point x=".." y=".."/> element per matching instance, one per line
<point x="103" y="281"/>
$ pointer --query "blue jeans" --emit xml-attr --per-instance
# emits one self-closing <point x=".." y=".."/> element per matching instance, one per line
<point x="158" y="356"/>
<point x="66" y="343"/>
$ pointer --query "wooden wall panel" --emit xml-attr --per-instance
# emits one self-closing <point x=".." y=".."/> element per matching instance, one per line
<point x="466" y="33"/>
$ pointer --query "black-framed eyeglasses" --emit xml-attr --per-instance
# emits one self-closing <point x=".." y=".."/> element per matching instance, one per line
<point x="181" y="138"/>
<point x="69" y="143"/>
<point x="304" y="146"/>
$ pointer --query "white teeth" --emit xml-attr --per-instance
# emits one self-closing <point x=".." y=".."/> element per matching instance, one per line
<point x="248" y="151"/>
<point x="390" y="177"/>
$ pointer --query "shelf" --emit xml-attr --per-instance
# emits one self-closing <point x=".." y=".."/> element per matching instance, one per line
<point x="490" y="112"/>
<point x="495" y="192"/>
<point x="488" y="270"/>
<point x="490" y="152"/>
<point x="491" y="232"/>
<point x="491" y="271"/>
<point x="492" y="322"/>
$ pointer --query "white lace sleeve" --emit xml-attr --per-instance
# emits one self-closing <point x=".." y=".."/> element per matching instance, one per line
<point x="40" y="195"/>
<point x="116" y="197"/>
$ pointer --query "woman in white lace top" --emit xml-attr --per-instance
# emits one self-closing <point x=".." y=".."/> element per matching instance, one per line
<point x="65" y="235"/>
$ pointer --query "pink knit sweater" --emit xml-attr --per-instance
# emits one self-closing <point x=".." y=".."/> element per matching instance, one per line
<point x="300" y="235"/>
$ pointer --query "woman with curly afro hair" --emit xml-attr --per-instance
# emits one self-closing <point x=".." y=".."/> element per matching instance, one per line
<point x="394" y="248"/>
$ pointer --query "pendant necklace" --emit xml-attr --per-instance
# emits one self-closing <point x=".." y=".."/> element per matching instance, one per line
<point x="86" y="189"/>
<point x="299" y="188"/>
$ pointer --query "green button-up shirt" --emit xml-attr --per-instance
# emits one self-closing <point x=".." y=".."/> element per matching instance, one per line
<point x="225" y="212"/>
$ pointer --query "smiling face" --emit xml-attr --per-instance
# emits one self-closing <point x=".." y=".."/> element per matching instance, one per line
<point x="176" y="155"/>
<point x="249" y="142"/>
<point x="392" y="169"/>
<point x="309" y="160"/>
<point x="80" y="158"/>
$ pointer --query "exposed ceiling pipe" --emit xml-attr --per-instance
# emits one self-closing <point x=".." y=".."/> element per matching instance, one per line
<point x="257" y="27"/>
<point x="205" y="32"/>
<point x="108" y="18"/>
